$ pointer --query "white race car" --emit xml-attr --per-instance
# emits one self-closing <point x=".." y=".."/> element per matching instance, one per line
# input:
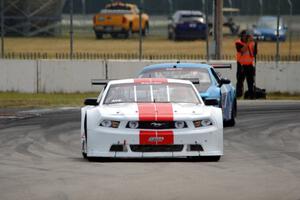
<point x="150" y="117"/>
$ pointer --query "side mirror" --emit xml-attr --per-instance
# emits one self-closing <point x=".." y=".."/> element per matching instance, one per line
<point x="224" y="81"/>
<point x="91" y="102"/>
<point x="211" y="102"/>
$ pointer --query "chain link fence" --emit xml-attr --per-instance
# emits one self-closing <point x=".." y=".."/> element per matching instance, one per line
<point x="30" y="30"/>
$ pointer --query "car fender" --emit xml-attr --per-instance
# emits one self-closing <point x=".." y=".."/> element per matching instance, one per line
<point x="217" y="116"/>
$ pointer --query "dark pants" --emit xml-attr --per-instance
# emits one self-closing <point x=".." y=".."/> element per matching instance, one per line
<point x="248" y="72"/>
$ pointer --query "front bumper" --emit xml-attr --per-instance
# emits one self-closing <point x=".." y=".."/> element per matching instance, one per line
<point x="100" y="141"/>
<point x="269" y="37"/>
<point x="190" y="33"/>
<point x="109" y="29"/>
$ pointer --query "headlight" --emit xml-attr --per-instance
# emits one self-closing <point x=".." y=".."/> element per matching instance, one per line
<point x="133" y="124"/>
<point x="109" y="123"/>
<point x="256" y="32"/>
<point x="206" y="122"/>
<point x="202" y="123"/>
<point x="179" y="124"/>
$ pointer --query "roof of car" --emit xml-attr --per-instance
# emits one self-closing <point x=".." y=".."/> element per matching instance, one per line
<point x="174" y="65"/>
<point x="148" y="81"/>
<point x="118" y="3"/>
<point x="189" y="12"/>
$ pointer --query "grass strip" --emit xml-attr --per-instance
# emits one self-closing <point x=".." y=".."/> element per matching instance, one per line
<point x="49" y="100"/>
<point x="42" y="100"/>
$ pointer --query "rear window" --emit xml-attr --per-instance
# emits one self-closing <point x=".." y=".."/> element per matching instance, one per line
<point x="117" y="7"/>
<point x="191" y="18"/>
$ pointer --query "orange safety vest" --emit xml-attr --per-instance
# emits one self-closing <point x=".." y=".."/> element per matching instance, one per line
<point x="246" y="57"/>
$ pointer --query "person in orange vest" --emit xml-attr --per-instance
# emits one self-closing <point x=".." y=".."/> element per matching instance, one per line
<point x="246" y="51"/>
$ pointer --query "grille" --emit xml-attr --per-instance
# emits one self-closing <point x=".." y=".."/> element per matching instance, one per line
<point x="117" y="148"/>
<point x="156" y="125"/>
<point x="195" y="147"/>
<point x="156" y="148"/>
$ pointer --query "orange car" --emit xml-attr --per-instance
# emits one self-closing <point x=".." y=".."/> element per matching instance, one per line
<point x="119" y="19"/>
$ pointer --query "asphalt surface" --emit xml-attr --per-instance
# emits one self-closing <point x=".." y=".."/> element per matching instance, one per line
<point x="40" y="158"/>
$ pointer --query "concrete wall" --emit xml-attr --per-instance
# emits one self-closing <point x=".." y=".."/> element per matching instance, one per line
<point x="75" y="75"/>
<point x="69" y="76"/>
<point x="18" y="75"/>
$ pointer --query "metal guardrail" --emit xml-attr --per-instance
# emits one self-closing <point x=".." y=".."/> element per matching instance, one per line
<point x="94" y="56"/>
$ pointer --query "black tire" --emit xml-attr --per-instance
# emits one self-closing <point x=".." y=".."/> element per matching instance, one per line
<point x="84" y="155"/>
<point x="174" y="37"/>
<point x="213" y="158"/>
<point x="170" y="36"/>
<point x="91" y="159"/>
<point x="129" y="32"/>
<point x="98" y="35"/>
<point x="231" y="122"/>
<point x="114" y="35"/>
<point x="205" y="158"/>
<point x="145" y="31"/>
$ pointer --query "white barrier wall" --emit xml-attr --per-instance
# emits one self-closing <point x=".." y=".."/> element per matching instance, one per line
<point x="69" y="75"/>
<point x="284" y="78"/>
<point x="75" y="75"/>
<point x="17" y="75"/>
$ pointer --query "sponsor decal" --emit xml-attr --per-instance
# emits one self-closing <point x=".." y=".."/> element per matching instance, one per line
<point x="156" y="137"/>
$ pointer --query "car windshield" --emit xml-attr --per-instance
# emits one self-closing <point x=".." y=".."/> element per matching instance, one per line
<point x="182" y="73"/>
<point x="151" y="92"/>
<point x="117" y="7"/>
<point x="121" y="9"/>
<point x="268" y="23"/>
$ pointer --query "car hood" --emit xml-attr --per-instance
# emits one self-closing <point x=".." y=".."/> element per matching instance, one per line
<point x="159" y="111"/>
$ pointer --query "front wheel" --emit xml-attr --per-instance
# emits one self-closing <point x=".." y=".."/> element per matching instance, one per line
<point x="214" y="158"/>
<point x="231" y="122"/>
<point x="205" y="158"/>
<point x="98" y="35"/>
<point x="114" y="35"/>
<point x="84" y="155"/>
<point x="129" y="32"/>
<point x="145" y="31"/>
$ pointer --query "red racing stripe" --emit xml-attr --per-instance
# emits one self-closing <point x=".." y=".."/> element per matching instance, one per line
<point x="146" y="112"/>
<point x="168" y="137"/>
<point x="150" y="80"/>
<point x="145" y="137"/>
<point x="155" y="112"/>
<point x="164" y="111"/>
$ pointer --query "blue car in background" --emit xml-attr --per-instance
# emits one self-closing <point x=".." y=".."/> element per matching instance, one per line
<point x="266" y="29"/>
<point x="214" y="90"/>
<point x="187" y="24"/>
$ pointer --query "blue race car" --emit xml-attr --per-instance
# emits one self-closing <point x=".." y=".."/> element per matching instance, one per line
<point x="266" y="29"/>
<point x="213" y="89"/>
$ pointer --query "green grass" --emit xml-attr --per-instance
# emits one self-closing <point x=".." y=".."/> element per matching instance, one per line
<point x="42" y="100"/>
<point x="151" y="46"/>
<point x="283" y="96"/>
